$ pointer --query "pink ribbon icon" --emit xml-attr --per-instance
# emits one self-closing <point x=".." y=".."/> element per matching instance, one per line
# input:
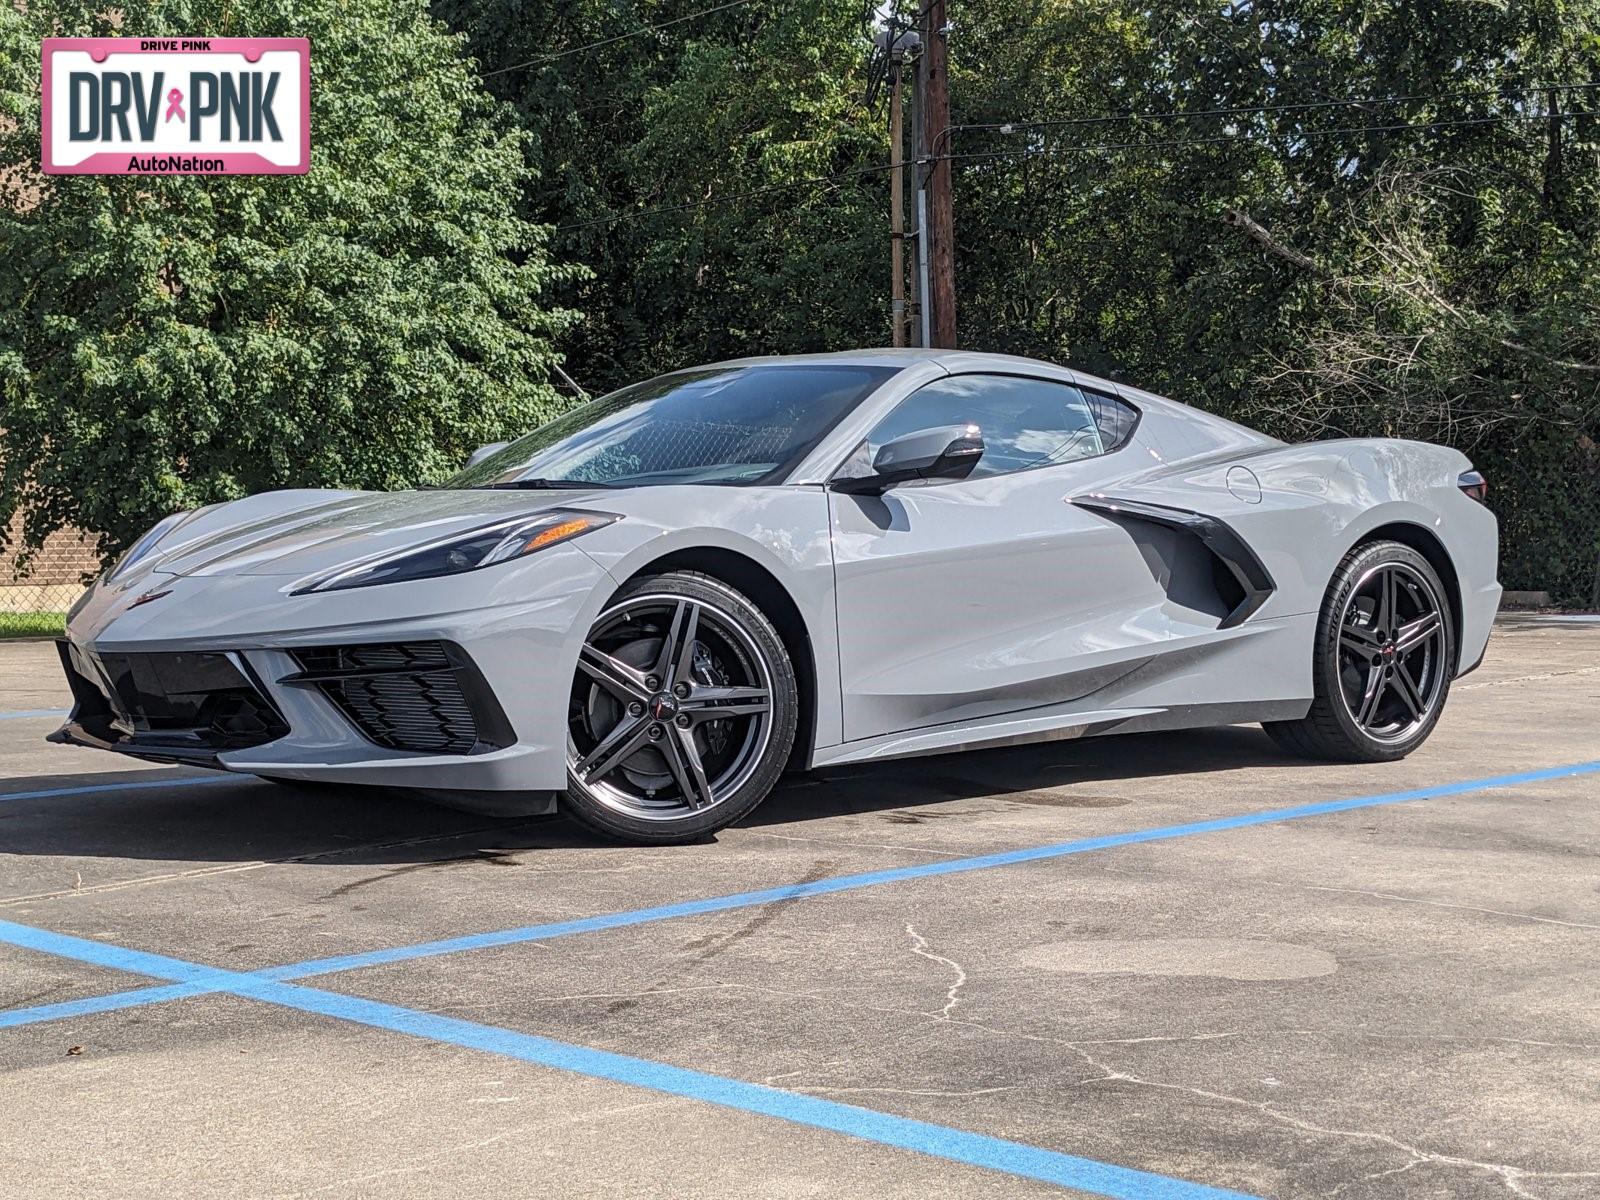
<point x="175" y="105"/>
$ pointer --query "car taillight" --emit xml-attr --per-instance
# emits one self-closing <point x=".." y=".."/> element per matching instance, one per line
<point x="1475" y="485"/>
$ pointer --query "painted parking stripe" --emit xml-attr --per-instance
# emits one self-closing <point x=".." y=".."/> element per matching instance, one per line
<point x="938" y="1141"/>
<point x="114" y="957"/>
<point x="29" y="714"/>
<point x="90" y="1005"/>
<point x="131" y="785"/>
<point x="846" y="883"/>
<point x="527" y="933"/>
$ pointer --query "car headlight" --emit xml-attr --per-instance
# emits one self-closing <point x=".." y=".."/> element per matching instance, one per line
<point x="147" y="543"/>
<point x="483" y="547"/>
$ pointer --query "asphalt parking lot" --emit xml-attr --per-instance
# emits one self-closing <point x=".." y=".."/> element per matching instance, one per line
<point x="1162" y="965"/>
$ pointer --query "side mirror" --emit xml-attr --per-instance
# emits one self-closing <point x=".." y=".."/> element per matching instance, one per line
<point x="483" y="452"/>
<point x="948" y="452"/>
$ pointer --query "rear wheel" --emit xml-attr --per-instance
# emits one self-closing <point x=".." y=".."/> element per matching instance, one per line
<point x="1384" y="656"/>
<point x="682" y="714"/>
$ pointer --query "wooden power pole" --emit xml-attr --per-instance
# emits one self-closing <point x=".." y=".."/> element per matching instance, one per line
<point x="897" y="214"/>
<point x="939" y="234"/>
<point x="899" y="47"/>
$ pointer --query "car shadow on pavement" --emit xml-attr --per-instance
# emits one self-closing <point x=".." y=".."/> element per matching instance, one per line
<point x="228" y="820"/>
<point x="1073" y="773"/>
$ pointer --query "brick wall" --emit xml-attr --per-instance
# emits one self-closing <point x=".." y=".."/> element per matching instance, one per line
<point x="54" y="576"/>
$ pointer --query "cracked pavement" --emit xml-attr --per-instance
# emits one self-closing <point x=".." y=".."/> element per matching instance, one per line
<point x="1387" y="1002"/>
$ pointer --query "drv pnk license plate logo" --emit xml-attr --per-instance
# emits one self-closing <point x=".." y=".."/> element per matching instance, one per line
<point x="177" y="106"/>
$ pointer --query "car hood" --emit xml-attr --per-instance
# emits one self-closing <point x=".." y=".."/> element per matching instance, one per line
<point x="303" y="533"/>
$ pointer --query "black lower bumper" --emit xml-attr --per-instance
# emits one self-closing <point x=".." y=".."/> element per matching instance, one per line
<point x="75" y="733"/>
<point x="181" y="707"/>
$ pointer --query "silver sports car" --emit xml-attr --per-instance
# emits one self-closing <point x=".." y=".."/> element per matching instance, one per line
<point x="648" y="609"/>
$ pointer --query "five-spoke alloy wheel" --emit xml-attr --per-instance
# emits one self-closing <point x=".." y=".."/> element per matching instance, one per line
<point x="683" y="711"/>
<point x="1385" y="655"/>
<point x="1391" y="651"/>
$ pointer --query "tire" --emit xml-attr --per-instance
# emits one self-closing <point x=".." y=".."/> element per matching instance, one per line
<point x="1383" y="659"/>
<point x="649" y="761"/>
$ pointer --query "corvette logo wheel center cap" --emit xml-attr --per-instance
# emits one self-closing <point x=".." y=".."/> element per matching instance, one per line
<point x="664" y="706"/>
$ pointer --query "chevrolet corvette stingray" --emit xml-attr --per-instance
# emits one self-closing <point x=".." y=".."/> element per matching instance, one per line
<point x="645" y="611"/>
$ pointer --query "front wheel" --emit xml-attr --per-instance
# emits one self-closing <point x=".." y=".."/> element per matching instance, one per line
<point x="683" y="711"/>
<point x="1384" y="657"/>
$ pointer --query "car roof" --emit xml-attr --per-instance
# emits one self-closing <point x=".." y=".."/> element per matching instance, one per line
<point x="887" y="356"/>
<point x="962" y="361"/>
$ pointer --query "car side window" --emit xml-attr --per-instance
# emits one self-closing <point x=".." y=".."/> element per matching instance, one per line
<point x="1026" y="423"/>
<point x="1115" y="419"/>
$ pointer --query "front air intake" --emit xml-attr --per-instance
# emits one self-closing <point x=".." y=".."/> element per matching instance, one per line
<point x="424" y="697"/>
<point x="182" y="704"/>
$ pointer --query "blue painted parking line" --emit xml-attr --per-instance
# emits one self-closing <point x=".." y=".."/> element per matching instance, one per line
<point x="90" y="1005"/>
<point x="846" y="883"/>
<point x="29" y="714"/>
<point x="132" y="785"/>
<point x="939" y="1141"/>
<point x="116" y="958"/>
<point x="821" y="887"/>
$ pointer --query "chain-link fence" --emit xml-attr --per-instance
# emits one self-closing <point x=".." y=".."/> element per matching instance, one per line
<point x="37" y="589"/>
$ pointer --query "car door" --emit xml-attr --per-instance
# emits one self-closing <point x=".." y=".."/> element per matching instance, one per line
<point x="963" y="599"/>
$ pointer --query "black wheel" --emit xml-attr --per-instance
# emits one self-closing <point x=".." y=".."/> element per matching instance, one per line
<point x="683" y="711"/>
<point x="1385" y="653"/>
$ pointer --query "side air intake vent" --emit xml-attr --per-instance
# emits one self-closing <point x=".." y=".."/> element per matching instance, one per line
<point x="1237" y="580"/>
<point x="426" y="697"/>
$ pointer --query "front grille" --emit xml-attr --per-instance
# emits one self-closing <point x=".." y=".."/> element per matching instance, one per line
<point x="426" y="697"/>
<point x="183" y="699"/>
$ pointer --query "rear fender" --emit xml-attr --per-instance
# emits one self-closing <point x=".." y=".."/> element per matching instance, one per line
<point x="1302" y="508"/>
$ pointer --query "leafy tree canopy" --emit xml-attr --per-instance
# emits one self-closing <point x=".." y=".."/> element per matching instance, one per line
<point x="1425" y="264"/>
<point x="673" y="163"/>
<point x="170" y="342"/>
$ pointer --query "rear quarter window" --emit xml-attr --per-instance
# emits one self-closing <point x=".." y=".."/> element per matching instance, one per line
<point x="1116" y="419"/>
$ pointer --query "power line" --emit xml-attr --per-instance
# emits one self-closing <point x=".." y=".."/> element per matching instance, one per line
<point x="1042" y="152"/>
<point x="1252" y="109"/>
<point x="725" y="198"/>
<point x="621" y="37"/>
<point x="1174" y="143"/>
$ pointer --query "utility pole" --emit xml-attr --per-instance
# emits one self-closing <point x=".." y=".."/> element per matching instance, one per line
<point x="897" y="207"/>
<point x="919" y="236"/>
<point x="937" y="230"/>
<point x="897" y="46"/>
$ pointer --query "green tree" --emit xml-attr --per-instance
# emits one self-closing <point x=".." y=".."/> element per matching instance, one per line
<point x="1423" y="264"/>
<point x="170" y="342"/>
<point x="674" y="157"/>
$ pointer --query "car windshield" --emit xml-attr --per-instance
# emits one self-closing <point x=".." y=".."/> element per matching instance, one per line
<point x="721" y="425"/>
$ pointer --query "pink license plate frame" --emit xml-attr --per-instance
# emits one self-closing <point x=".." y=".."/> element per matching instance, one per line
<point x="228" y="162"/>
